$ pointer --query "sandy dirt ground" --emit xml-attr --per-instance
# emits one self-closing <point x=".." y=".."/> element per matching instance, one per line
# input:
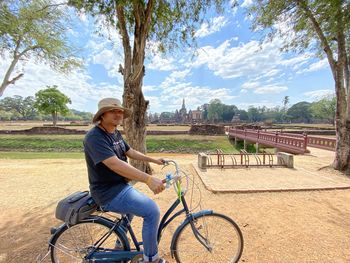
<point x="306" y="226"/>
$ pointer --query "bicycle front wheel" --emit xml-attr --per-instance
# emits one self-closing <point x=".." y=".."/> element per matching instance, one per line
<point x="221" y="240"/>
<point x="73" y="243"/>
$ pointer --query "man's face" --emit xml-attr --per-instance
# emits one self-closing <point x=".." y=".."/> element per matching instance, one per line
<point x="113" y="117"/>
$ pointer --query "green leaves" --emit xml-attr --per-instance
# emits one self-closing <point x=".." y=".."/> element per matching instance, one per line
<point x="298" y="30"/>
<point x="325" y="108"/>
<point x="35" y="28"/>
<point x="172" y="24"/>
<point x="22" y="107"/>
<point x="51" y="101"/>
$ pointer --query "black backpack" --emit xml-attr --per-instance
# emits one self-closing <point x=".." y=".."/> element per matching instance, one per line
<point x="75" y="207"/>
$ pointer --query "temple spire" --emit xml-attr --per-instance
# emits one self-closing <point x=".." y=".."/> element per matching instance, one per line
<point x="183" y="104"/>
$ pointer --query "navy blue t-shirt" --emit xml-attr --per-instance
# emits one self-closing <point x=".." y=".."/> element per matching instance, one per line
<point x="100" y="145"/>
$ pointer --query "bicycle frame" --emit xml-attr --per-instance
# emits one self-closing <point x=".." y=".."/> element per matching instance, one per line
<point x="113" y="256"/>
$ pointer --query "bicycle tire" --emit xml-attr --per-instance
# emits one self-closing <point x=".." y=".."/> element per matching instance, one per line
<point x="224" y="236"/>
<point x="71" y="244"/>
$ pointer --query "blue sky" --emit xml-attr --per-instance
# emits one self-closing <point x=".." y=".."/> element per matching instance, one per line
<point x="230" y="64"/>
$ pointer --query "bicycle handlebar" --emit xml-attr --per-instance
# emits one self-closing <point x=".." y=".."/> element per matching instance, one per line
<point x="171" y="177"/>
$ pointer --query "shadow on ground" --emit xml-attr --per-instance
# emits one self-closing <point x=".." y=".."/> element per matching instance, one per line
<point x="25" y="238"/>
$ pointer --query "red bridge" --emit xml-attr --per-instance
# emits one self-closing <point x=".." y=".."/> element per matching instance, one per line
<point x="287" y="142"/>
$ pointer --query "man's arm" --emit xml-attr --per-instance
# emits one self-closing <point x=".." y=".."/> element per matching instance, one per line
<point x="136" y="155"/>
<point x="130" y="172"/>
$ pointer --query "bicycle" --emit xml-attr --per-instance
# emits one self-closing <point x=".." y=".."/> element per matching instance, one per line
<point x="203" y="236"/>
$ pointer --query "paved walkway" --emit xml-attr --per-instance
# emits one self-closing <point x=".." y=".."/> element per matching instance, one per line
<point x="309" y="173"/>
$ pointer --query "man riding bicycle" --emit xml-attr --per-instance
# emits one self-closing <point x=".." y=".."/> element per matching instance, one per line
<point x="106" y="155"/>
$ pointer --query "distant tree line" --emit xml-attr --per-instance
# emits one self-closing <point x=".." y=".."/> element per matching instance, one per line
<point x="47" y="105"/>
<point x="320" y="111"/>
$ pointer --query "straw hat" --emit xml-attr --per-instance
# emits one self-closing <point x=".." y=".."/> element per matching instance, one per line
<point x="108" y="104"/>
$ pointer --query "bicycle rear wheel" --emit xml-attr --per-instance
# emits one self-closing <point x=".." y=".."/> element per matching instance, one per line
<point x="73" y="243"/>
<point x="222" y="236"/>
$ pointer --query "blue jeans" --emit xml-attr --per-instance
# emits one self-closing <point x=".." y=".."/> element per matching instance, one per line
<point x="131" y="201"/>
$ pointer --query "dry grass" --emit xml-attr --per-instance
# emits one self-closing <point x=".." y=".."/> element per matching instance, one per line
<point x="284" y="227"/>
<point x="18" y="125"/>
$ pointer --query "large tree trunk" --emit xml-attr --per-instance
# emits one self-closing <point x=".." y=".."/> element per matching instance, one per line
<point x="6" y="81"/>
<point x="16" y="56"/>
<point x="54" y="118"/>
<point x="339" y="65"/>
<point x="135" y="125"/>
<point x="342" y="156"/>
<point x="133" y="73"/>
<point x="342" y="153"/>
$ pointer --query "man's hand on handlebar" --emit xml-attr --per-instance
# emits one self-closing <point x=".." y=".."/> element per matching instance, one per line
<point x="160" y="161"/>
<point x="155" y="184"/>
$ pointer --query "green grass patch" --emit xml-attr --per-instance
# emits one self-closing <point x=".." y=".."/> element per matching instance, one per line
<point x="41" y="155"/>
<point x="71" y="146"/>
<point x="42" y="143"/>
<point x="188" y="143"/>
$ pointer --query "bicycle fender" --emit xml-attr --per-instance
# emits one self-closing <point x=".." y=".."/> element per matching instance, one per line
<point x="182" y="225"/>
<point x="101" y="219"/>
<point x="54" y="232"/>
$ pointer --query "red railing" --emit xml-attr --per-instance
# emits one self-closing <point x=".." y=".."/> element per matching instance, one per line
<point x="293" y="143"/>
<point x="322" y="143"/>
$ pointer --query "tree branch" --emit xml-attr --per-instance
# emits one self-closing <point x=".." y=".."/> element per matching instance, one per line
<point x="320" y="34"/>
<point x="143" y="31"/>
<point x="15" y="79"/>
<point x="126" y="41"/>
<point x="52" y="5"/>
<point x="28" y="49"/>
<point x="148" y="16"/>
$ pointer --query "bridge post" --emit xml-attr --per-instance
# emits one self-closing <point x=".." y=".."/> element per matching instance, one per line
<point x="257" y="147"/>
<point x="305" y="142"/>
<point x="202" y="161"/>
<point x="286" y="159"/>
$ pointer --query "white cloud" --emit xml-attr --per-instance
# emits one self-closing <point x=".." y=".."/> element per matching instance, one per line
<point x="78" y="84"/>
<point x="322" y="64"/>
<point x="272" y="72"/>
<point x="149" y="88"/>
<point x="175" y="90"/>
<point x="297" y="60"/>
<point x="270" y="89"/>
<point x="173" y="78"/>
<point x="247" y="3"/>
<point x="213" y="26"/>
<point x="105" y="58"/>
<point x="248" y="59"/>
<point x="318" y="94"/>
<point x="254" y="60"/>
<point x="159" y="62"/>
<point x="261" y="103"/>
<point x="250" y="85"/>
<point x="259" y="88"/>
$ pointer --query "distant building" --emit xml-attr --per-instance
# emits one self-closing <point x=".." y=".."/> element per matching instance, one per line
<point x="196" y="115"/>
<point x="183" y="113"/>
<point x="180" y="116"/>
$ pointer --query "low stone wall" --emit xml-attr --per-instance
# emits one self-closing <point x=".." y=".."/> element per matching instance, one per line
<point x="207" y="129"/>
<point x="60" y="130"/>
<point x="43" y="130"/>
<point x="166" y="132"/>
<point x="313" y="132"/>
